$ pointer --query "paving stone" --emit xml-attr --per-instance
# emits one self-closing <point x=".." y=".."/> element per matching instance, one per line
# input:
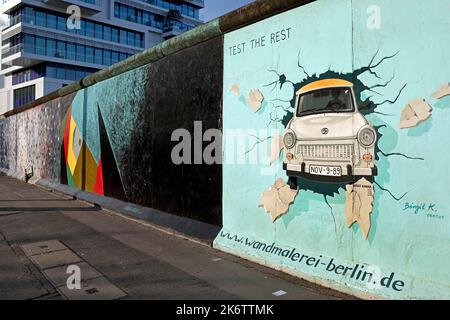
<point x="58" y="275"/>
<point x="55" y="259"/>
<point x="95" y="289"/>
<point x="35" y="248"/>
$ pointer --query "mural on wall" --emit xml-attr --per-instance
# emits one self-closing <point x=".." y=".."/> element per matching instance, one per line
<point x="342" y="121"/>
<point x="113" y="138"/>
<point x="328" y="139"/>
<point x="80" y="168"/>
<point x="29" y="141"/>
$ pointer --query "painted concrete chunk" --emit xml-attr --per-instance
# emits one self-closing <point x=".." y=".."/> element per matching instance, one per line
<point x="255" y="99"/>
<point x="43" y="247"/>
<point x="55" y="259"/>
<point x="235" y="89"/>
<point x="359" y="205"/>
<point x="95" y="289"/>
<point x="277" y="199"/>
<point x="442" y="92"/>
<point x="414" y="113"/>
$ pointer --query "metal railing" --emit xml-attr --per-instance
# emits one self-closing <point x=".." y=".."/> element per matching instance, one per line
<point x="61" y="54"/>
<point x="12" y="21"/>
<point x="174" y="28"/>
<point x="40" y="50"/>
<point x="12" y="50"/>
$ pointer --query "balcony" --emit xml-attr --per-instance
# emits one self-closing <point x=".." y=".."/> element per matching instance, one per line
<point x="12" y="50"/>
<point x="6" y="6"/>
<point x="12" y="21"/>
<point x="13" y="58"/>
<point x="170" y="31"/>
<point x="88" y="7"/>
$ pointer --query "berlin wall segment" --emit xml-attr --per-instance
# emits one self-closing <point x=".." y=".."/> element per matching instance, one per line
<point x="342" y="118"/>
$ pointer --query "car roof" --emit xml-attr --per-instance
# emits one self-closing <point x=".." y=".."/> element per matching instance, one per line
<point x="322" y="84"/>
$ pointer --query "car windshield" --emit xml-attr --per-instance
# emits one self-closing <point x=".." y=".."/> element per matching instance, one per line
<point x="325" y="101"/>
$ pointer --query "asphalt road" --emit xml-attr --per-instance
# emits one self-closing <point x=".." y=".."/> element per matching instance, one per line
<point x="143" y="262"/>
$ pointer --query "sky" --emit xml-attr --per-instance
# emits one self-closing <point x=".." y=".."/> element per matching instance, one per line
<point x="217" y="8"/>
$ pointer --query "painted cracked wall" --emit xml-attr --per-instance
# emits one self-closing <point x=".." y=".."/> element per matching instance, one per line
<point x="387" y="235"/>
<point x="114" y="138"/>
<point x="32" y="139"/>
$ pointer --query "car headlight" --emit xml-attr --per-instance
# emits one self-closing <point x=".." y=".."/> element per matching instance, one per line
<point x="289" y="140"/>
<point x="367" y="137"/>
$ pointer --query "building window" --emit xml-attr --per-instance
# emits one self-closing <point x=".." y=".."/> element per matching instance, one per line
<point x="65" y="72"/>
<point x="82" y="30"/>
<point x="131" y="16"/>
<point x="40" y="45"/>
<point x="58" y="21"/>
<point x="107" y="57"/>
<point x="115" y="35"/>
<point x="184" y="8"/>
<point x="40" y="19"/>
<point x="123" y="37"/>
<point x="71" y="74"/>
<point x="68" y="50"/>
<point x="125" y="12"/>
<point x="61" y="73"/>
<point x="90" y="29"/>
<point x="28" y="74"/>
<point x="116" y="10"/>
<point x="51" y="21"/>
<point x="62" y="24"/>
<point x="98" y="56"/>
<point x="61" y="49"/>
<point x="51" y="47"/>
<point x="80" y="52"/>
<point x="24" y="95"/>
<point x="131" y="39"/>
<point x="98" y="31"/>
<point x="89" y="54"/>
<point x="107" y="33"/>
<point x="30" y="15"/>
<point x="71" y="53"/>
<point x="114" y="57"/>
<point x="51" y="71"/>
<point x="30" y="44"/>
<point x="146" y="18"/>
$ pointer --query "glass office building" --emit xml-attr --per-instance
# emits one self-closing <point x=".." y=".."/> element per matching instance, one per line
<point x="42" y="52"/>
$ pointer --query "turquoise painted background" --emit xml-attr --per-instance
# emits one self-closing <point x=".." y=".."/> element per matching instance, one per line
<point x="329" y="35"/>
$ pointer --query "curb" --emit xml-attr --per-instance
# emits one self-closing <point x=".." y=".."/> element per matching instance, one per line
<point x="190" y="229"/>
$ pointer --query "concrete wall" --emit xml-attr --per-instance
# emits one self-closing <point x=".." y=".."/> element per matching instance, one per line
<point x="105" y="138"/>
<point x="382" y="236"/>
<point x="387" y="235"/>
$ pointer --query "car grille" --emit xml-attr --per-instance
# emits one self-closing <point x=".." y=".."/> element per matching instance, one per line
<point x="335" y="151"/>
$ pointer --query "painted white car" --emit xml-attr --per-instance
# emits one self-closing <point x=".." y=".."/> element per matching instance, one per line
<point x="328" y="139"/>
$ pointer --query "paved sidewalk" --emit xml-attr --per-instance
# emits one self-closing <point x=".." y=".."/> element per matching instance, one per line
<point x="127" y="259"/>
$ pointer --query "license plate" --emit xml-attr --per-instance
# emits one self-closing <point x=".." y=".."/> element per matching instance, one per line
<point x="325" y="171"/>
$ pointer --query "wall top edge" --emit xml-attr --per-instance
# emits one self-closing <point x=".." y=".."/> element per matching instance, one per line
<point x="254" y="12"/>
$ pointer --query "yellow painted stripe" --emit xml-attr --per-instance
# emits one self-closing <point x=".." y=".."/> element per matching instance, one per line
<point x="322" y="84"/>
<point x="71" y="159"/>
